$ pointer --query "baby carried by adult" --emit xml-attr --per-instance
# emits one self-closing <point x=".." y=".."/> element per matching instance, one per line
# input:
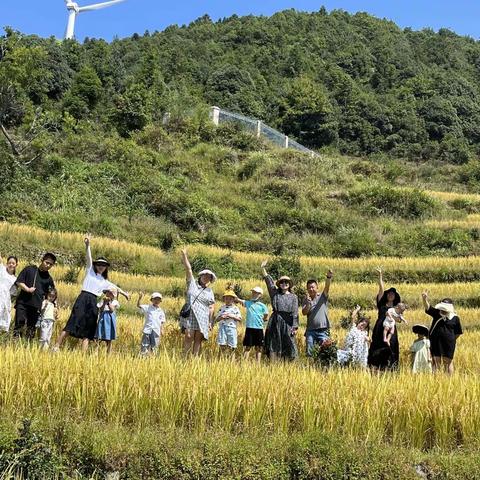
<point x="394" y="315"/>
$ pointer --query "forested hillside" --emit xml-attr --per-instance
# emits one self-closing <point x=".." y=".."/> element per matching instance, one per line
<point x="352" y="82"/>
<point x="82" y="145"/>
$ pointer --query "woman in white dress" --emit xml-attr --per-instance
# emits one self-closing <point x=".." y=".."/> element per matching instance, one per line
<point x="7" y="290"/>
<point x="357" y="342"/>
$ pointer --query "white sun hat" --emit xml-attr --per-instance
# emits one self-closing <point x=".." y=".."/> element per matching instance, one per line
<point x="208" y="272"/>
<point x="257" y="290"/>
<point x="156" y="295"/>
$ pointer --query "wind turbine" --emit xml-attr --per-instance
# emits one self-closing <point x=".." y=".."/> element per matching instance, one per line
<point x="74" y="10"/>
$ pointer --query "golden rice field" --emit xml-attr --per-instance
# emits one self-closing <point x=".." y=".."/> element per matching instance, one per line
<point x="470" y="221"/>
<point x="234" y="395"/>
<point x="343" y="294"/>
<point x="450" y="196"/>
<point x="229" y="395"/>
<point x="154" y="261"/>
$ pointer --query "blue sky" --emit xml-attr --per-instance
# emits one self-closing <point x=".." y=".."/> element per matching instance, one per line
<point x="48" y="17"/>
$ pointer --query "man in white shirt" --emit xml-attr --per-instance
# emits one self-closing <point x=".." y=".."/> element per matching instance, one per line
<point x="154" y="319"/>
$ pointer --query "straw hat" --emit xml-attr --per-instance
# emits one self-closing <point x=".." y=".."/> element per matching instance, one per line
<point x="282" y="278"/>
<point x="229" y="293"/>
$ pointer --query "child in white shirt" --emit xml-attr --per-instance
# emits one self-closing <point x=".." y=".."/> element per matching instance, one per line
<point x="394" y="314"/>
<point x="48" y="316"/>
<point x="154" y="319"/>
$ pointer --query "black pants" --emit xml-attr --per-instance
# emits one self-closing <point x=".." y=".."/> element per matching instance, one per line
<point x="25" y="316"/>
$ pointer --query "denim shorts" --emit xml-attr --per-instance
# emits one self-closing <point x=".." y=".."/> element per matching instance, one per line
<point x="227" y="335"/>
<point x="315" y="337"/>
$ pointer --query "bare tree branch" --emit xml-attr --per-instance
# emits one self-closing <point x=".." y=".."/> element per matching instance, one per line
<point x="13" y="146"/>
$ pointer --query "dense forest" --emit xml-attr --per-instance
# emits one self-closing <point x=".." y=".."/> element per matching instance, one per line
<point x="83" y="147"/>
<point x="350" y="82"/>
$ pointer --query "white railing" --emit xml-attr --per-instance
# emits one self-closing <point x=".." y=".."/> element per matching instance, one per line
<point x="258" y="128"/>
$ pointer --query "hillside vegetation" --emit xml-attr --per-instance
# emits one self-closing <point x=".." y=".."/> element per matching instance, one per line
<point x="83" y="147"/>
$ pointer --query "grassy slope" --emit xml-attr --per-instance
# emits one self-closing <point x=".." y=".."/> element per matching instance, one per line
<point x="162" y="189"/>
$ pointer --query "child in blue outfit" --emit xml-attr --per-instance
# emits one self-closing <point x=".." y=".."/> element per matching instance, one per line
<point x="107" y="321"/>
<point x="228" y="317"/>
<point x="257" y="314"/>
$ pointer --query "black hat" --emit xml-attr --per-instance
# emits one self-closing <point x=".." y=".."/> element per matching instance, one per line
<point x="101" y="261"/>
<point x="420" y="329"/>
<point x="383" y="300"/>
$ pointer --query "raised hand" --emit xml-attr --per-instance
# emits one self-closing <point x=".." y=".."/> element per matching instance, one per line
<point x="425" y="295"/>
<point x="87" y="239"/>
<point x="329" y="273"/>
<point x="379" y="270"/>
<point x="264" y="264"/>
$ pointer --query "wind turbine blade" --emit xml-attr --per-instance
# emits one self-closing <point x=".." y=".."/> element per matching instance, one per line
<point x="98" y="6"/>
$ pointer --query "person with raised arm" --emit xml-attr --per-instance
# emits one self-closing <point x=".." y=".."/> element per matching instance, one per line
<point x="283" y="323"/>
<point x="357" y="341"/>
<point x="257" y="315"/>
<point x="381" y="355"/>
<point x="315" y="307"/>
<point x="34" y="284"/>
<point x="444" y="332"/>
<point x="197" y="314"/>
<point x="82" y="323"/>
<point x="7" y="290"/>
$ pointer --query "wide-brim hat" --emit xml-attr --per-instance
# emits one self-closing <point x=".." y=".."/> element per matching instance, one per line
<point x="445" y="306"/>
<point x="420" y="330"/>
<point x="208" y="272"/>
<point x="283" y="278"/>
<point x="258" y="290"/>
<point x="101" y="261"/>
<point x="156" y="295"/>
<point x="229" y="293"/>
<point x="393" y="290"/>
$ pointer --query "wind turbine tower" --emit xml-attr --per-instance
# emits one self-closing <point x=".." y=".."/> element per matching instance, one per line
<point x="74" y="10"/>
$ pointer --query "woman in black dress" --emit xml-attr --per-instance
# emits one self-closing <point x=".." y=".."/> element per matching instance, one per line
<point x="283" y="324"/>
<point x="445" y="330"/>
<point x="380" y="355"/>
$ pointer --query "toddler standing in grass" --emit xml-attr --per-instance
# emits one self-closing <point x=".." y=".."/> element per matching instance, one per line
<point x="154" y="320"/>
<point x="107" y="323"/>
<point x="420" y="351"/>
<point x="228" y="316"/>
<point x="48" y="316"/>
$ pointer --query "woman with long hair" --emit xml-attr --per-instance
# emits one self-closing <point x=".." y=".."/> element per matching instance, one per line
<point x="82" y="323"/>
<point x="381" y="355"/>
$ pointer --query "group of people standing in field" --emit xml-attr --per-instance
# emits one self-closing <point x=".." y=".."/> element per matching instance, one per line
<point x="93" y="317"/>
